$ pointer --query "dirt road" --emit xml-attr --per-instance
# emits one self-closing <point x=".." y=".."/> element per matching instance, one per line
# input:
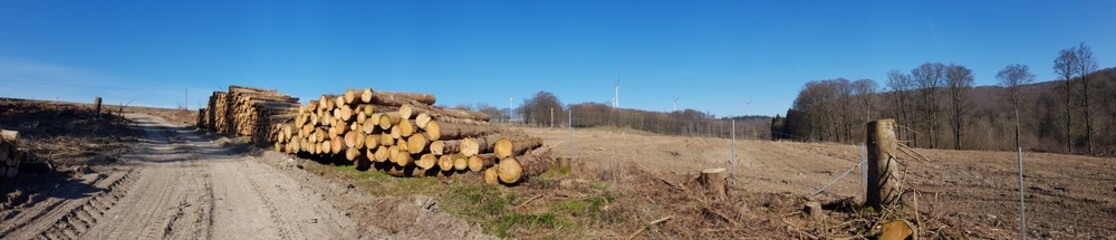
<point x="176" y="184"/>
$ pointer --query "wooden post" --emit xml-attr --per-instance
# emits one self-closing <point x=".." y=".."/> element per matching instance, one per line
<point x="97" y="106"/>
<point x="883" y="171"/>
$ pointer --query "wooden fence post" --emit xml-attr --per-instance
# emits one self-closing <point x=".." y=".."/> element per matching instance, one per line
<point x="97" y="106"/>
<point x="883" y="170"/>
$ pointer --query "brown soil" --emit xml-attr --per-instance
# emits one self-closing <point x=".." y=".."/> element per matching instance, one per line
<point x="139" y="176"/>
<point x="961" y="193"/>
<point x="174" y="183"/>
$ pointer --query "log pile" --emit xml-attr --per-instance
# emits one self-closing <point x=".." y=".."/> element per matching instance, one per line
<point x="245" y="111"/>
<point x="10" y="155"/>
<point x="404" y="135"/>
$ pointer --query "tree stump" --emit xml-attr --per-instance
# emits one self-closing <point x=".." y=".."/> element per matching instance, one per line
<point x="713" y="180"/>
<point x="883" y="170"/>
<point x="814" y="210"/>
<point x="562" y="163"/>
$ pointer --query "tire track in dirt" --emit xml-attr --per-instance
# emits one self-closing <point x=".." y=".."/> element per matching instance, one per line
<point x="162" y="197"/>
<point x="82" y="218"/>
<point x="285" y="209"/>
<point x="54" y="217"/>
<point x="180" y="185"/>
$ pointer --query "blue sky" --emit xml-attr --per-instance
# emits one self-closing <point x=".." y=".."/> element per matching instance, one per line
<point x="713" y="55"/>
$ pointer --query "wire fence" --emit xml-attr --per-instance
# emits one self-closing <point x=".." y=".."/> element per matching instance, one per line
<point x="731" y="129"/>
<point x="746" y="129"/>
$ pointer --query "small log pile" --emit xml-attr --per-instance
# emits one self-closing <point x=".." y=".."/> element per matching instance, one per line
<point x="245" y="111"/>
<point x="404" y="135"/>
<point x="10" y="155"/>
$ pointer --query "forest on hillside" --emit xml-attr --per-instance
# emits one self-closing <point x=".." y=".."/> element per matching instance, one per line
<point x="937" y="106"/>
<point x="544" y="109"/>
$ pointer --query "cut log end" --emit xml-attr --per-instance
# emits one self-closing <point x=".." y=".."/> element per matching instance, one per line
<point x="503" y="148"/>
<point x="416" y="144"/>
<point x="427" y="161"/>
<point x="476" y="164"/>
<point x="460" y="163"/>
<point x="421" y="120"/>
<point x="366" y="95"/>
<point x="509" y="170"/>
<point x="445" y="162"/>
<point x="406" y="128"/>
<point x="438" y="147"/>
<point x="490" y="176"/>
<point x="405" y="111"/>
<point x="469" y="147"/>
<point x="433" y="130"/>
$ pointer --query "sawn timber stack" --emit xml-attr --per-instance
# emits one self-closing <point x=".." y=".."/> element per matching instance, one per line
<point x="405" y="135"/>
<point x="246" y="111"/>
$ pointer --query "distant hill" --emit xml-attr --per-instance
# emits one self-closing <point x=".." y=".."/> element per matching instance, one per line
<point x="688" y="122"/>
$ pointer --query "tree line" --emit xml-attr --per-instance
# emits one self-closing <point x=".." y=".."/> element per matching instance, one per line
<point x="545" y="109"/>
<point x="938" y="106"/>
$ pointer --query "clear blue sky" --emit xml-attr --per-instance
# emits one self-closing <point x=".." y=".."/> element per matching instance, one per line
<point x="713" y="55"/>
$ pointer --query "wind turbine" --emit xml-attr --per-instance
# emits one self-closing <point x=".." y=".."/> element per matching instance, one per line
<point x="749" y="103"/>
<point x="675" y="103"/>
<point x="616" y="99"/>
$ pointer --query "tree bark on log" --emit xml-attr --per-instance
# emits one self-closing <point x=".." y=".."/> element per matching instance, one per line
<point x="399" y="98"/>
<point x="535" y="164"/>
<point x="520" y="143"/>
<point x="460" y="131"/>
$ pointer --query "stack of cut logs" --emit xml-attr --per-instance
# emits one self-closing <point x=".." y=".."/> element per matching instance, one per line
<point x="404" y="135"/>
<point x="246" y="111"/>
<point x="10" y="155"/>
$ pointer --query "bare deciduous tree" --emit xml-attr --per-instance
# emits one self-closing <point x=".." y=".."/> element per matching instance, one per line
<point x="1085" y="65"/>
<point x="1013" y="77"/>
<point x="959" y="82"/>
<point x="929" y="79"/>
<point x="901" y="87"/>
<point x="865" y="92"/>
<point x="1064" y="67"/>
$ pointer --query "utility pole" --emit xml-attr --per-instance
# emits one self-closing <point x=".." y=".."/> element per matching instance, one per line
<point x="186" y="99"/>
<point x="511" y="112"/>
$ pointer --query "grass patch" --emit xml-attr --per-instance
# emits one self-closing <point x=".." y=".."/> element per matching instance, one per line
<point x="382" y="184"/>
<point x="591" y="205"/>
<point x="569" y="206"/>
<point x="492" y="207"/>
<point x="557" y="171"/>
<point x="476" y="201"/>
<point x="351" y="169"/>
<point x="530" y="222"/>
